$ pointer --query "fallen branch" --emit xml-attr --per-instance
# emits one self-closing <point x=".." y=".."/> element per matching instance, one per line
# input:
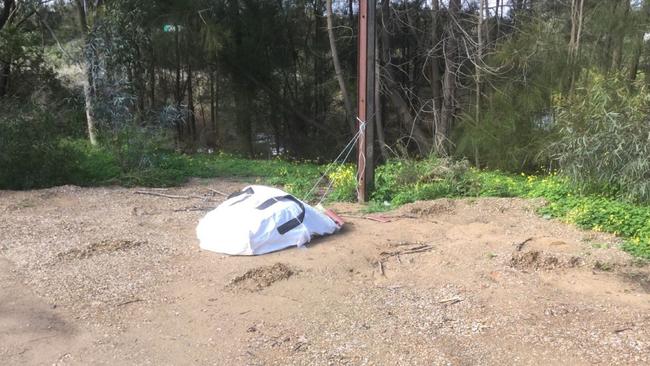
<point x="165" y="195"/>
<point x="520" y="246"/>
<point x="621" y="330"/>
<point x="173" y="196"/>
<point x="451" y="301"/>
<point x="129" y="302"/>
<point x="193" y="209"/>
<point x="418" y="249"/>
<point x="380" y="218"/>
<point x="405" y="243"/>
<point x="218" y="192"/>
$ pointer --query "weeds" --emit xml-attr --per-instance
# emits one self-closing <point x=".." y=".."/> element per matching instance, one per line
<point x="396" y="182"/>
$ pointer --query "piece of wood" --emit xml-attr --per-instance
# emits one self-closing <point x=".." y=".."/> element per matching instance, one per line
<point x="379" y="218"/>
<point x="163" y="195"/>
<point x="173" y="196"/>
<point x="334" y="216"/>
<point x="129" y="302"/>
<point x="187" y="209"/>
<point x="620" y="330"/>
<point x="218" y="192"/>
<point x="451" y="301"/>
<point x="520" y="246"/>
<point x="417" y="249"/>
<point x="405" y="243"/>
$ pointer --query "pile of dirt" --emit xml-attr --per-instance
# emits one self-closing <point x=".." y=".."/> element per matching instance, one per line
<point x="539" y="260"/>
<point x="259" y="278"/>
<point x="640" y="278"/>
<point x="426" y="208"/>
<point x="102" y="247"/>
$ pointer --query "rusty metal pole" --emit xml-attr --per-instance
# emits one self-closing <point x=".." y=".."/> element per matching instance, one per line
<point x="365" y="97"/>
<point x="361" y="98"/>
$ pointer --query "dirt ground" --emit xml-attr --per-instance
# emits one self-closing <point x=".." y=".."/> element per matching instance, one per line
<point x="106" y="276"/>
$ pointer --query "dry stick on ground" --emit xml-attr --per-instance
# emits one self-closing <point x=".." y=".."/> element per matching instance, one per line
<point x="374" y="219"/>
<point x="520" y="246"/>
<point x="165" y="195"/>
<point x="418" y="249"/>
<point x="193" y="209"/>
<point x="218" y="192"/>
<point x="404" y="243"/>
<point x="451" y="301"/>
<point x="129" y="302"/>
<point x="172" y="196"/>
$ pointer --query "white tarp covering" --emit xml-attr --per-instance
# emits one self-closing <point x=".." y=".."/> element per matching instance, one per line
<point x="260" y="220"/>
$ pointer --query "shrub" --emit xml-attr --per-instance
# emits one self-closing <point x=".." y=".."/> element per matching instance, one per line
<point x="344" y="183"/>
<point x="403" y="181"/>
<point x="31" y="154"/>
<point x="604" y="138"/>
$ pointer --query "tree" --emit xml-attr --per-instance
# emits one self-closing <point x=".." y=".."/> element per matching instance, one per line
<point x="449" y="82"/>
<point x="88" y="11"/>
<point x="337" y="67"/>
<point x="5" y="65"/>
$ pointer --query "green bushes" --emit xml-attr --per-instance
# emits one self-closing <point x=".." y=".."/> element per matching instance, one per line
<point x="404" y="181"/>
<point x="604" y="138"/>
<point x="31" y="153"/>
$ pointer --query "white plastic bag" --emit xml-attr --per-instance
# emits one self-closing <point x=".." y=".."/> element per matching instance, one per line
<point x="260" y="220"/>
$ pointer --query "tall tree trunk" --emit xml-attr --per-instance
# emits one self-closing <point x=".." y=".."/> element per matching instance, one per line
<point x="316" y="60"/>
<point x="449" y="83"/>
<point x="5" y="73"/>
<point x="577" y="15"/>
<point x="497" y="16"/>
<point x="7" y="10"/>
<point x="178" y="94"/>
<point x="636" y="57"/>
<point x="213" y="104"/>
<point x="485" y="21"/>
<point x="351" y="13"/>
<point x="89" y="97"/>
<point x="480" y="31"/>
<point x="152" y="78"/>
<point x="436" y="85"/>
<point x="337" y="69"/>
<point x="243" y="104"/>
<point x="619" y="33"/>
<point x="190" y="100"/>
<point x="379" y="123"/>
<point x="479" y="59"/>
<point x="5" y="68"/>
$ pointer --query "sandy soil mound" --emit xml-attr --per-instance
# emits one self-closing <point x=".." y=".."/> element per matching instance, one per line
<point x="540" y="260"/>
<point x="261" y="277"/>
<point x="102" y="247"/>
<point x="426" y="208"/>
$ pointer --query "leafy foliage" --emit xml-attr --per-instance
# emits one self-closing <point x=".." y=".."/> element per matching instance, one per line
<point x="604" y="138"/>
<point x="400" y="182"/>
<point x="32" y="153"/>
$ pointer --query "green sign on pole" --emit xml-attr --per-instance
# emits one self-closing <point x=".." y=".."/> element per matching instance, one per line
<point x="168" y="28"/>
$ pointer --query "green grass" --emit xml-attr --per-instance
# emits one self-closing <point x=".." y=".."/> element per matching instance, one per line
<point x="400" y="182"/>
<point x="162" y="168"/>
<point x="397" y="182"/>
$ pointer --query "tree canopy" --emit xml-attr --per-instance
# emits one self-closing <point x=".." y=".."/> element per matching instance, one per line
<point x="516" y="85"/>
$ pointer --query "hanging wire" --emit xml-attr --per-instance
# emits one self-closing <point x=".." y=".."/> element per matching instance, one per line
<point x="348" y="148"/>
